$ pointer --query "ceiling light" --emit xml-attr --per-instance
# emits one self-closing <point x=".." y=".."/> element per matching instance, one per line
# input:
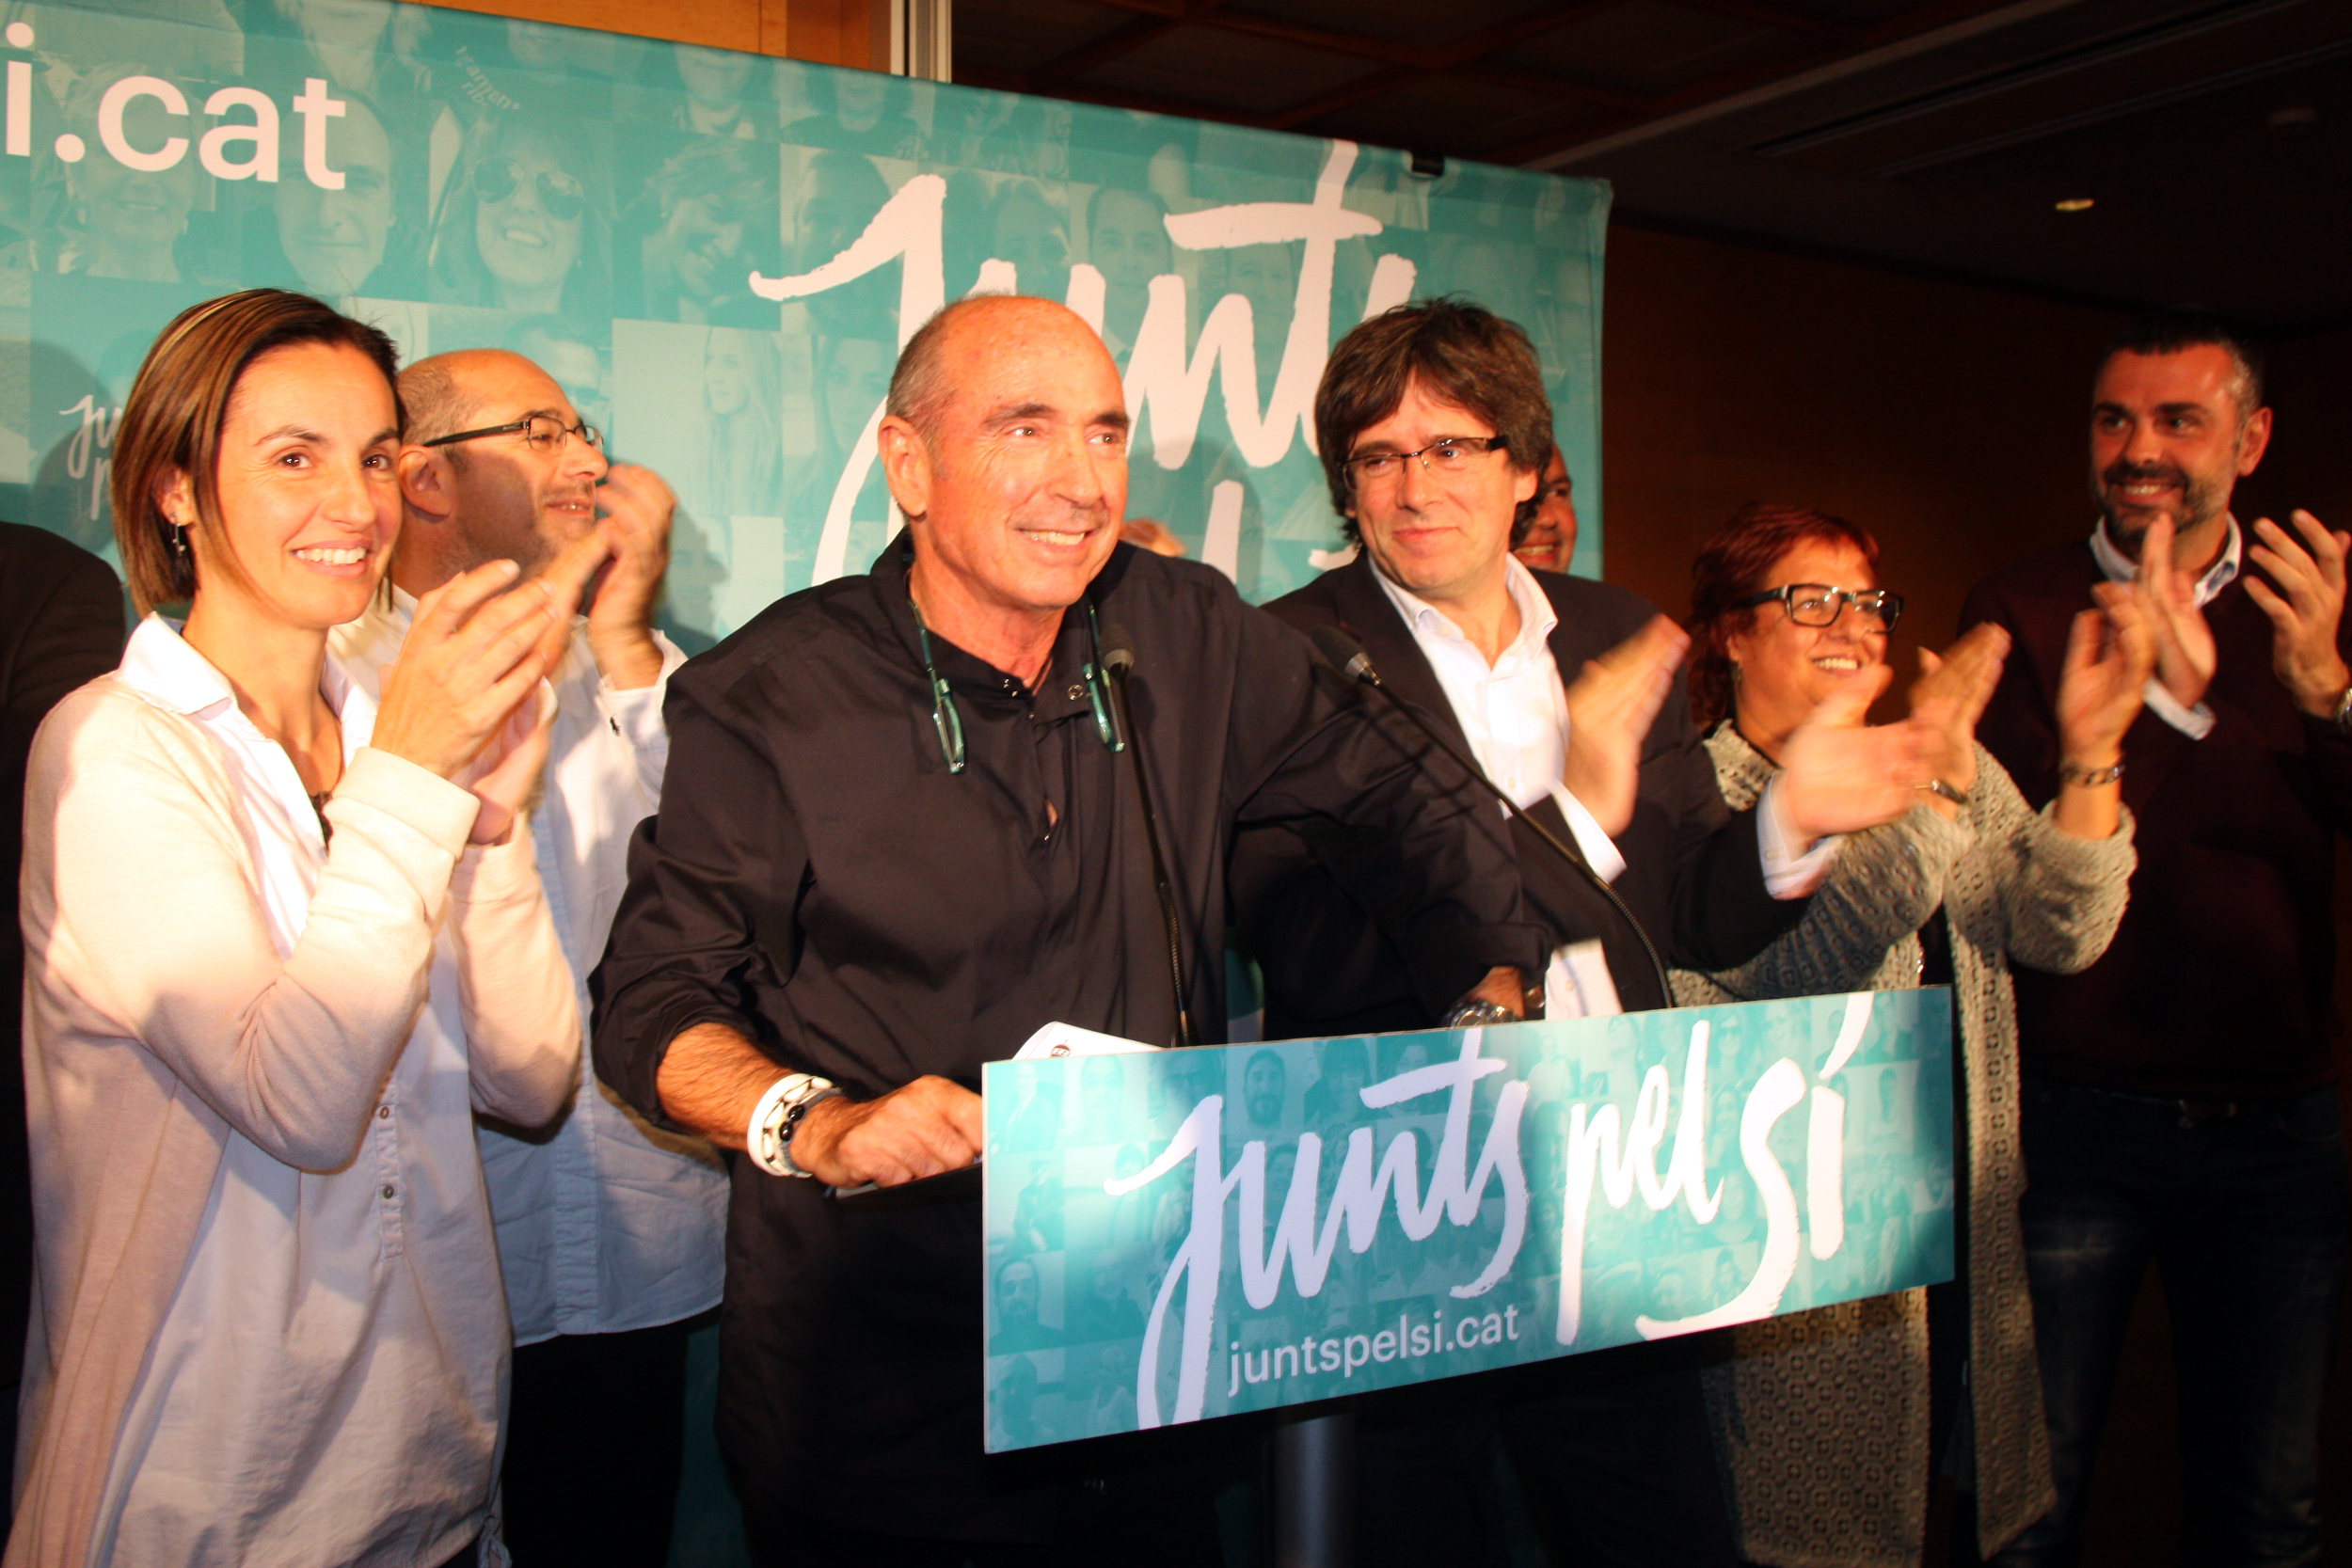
<point x="2076" y="204"/>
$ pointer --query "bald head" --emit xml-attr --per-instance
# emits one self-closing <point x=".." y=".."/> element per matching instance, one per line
<point x="442" y="392"/>
<point x="938" y="357"/>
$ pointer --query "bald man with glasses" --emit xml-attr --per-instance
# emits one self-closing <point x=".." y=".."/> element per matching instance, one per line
<point x="609" y="1231"/>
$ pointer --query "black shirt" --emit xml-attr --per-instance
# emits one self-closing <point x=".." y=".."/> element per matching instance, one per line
<point x="818" y="880"/>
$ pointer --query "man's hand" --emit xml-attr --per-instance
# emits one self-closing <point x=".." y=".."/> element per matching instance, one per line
<point x="1839" y="776"/>
<point x="1949" y="698"/>
<point x="1145" y="534"/>
<point x="2304" y="609"/>
<point x="2185" y="650"/>
<point x="1504" y="986"/>
<point x="635" y="532"/>
<point x="919" y="1130"/>
<point x="1611" y="707"/>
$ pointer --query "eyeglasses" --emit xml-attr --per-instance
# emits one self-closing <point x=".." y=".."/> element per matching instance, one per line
<point x="1448" y="457"/>
<point x="545" y="433"/>
<point x="560" y="196"/>
<point x="1818" y="604"/>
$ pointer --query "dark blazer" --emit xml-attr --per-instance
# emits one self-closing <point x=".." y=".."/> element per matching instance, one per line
<point x="1694" y="874"/>
<point x="60" y="626"/>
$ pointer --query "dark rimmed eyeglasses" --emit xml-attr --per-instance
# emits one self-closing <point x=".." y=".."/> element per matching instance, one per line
<point x="1819" y="603"/>
<point x="1447" y="457"/>
<point x="561" y="197"/>
<point x="543" y="431"/>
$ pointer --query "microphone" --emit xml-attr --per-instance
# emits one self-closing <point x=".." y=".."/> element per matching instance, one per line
<point x="1347" y="656"/>
<point x="1118" y="654"/>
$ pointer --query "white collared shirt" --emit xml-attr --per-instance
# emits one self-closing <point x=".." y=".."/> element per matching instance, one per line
<point x="609" y="1224"/>
<point x="1515" y="714"/>
<point x="370" y="1293"/>
<point x="2195" y="723"/>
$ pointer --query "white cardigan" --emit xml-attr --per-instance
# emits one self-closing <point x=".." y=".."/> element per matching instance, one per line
<point x="218" y="1009"/>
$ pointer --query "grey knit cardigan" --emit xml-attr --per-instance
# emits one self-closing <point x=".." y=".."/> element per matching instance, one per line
<point x="1820" y="1418"/>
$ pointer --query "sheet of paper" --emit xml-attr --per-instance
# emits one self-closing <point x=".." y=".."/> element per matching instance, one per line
<point x="1576" y="984"/>
<point x="1067" y="1039"/>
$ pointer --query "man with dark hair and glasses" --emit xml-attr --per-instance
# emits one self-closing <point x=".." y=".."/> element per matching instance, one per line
<point x="2180" y="1103"/>
<point x="609" y="1232"/>
<point x="1434" y="430"/>
<point x="903" y="833"/>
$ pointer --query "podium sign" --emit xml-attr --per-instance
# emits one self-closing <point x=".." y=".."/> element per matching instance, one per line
<point x="1180" y="1234"/>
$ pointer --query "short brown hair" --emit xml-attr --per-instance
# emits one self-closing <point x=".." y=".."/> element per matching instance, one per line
<point x="1462" y="353"/>
<point x="172" y="421"/>
<point x="1732" y="567"/>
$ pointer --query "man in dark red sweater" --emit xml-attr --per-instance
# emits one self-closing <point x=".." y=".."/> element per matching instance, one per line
<point x="2180" y="1106"/>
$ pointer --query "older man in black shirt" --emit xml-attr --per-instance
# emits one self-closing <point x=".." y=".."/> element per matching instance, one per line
<point x="896" y="840"/>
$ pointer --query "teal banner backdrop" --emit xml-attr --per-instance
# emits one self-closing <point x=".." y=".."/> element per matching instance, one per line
<point x="1174" y="1235"/>
<point x="719" y="254"/>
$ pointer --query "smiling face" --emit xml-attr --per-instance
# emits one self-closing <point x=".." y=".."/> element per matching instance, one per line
<point x="135" y="217"/>
<point x="1786" y="669"/>
<point x="1550" y="541"/>
<point x="1128" y="241"/>
<point x="705" y="239"/>
<point x="515" y="502"/>
<point x="527" y="223"/>
<point x="2167" y="438"/>
<point x="308" y="498"/>
<point x="1442" y="538"/>
<point x="1016" y="488"/>
<point x="335" y="239"/>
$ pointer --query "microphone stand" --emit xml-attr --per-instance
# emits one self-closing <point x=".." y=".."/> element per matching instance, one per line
<point x="1346" y="655"/>
<point x="1119" y="657"/>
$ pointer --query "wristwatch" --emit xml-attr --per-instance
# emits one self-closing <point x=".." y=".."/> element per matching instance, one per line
<point x="778" y="1116"/>
<point x="1479" y="1011"/>
<point x="2343" y="713"/>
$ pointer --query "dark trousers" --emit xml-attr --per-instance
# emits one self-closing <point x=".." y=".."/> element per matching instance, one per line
<point x="2247" y="1218"/>
<point x="1157" y="1536"/>
<point x="1610" y="1448"/>
<point x="595" y="1435"/>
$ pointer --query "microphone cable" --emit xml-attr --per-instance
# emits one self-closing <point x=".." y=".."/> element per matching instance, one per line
<point x="1118" y="655"/>
<point x="1347" y="657"/>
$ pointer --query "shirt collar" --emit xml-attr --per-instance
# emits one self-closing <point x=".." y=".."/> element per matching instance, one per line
<point x="1537" y="619"/>
<point x="2119" y="568"/>
<point x="159" y="664"/>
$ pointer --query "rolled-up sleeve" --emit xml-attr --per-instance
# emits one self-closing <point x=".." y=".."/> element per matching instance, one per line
<point x="709" y="917"/>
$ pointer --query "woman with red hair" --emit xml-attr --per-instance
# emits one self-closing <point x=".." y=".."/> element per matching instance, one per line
<point x="1830" y="1420"/>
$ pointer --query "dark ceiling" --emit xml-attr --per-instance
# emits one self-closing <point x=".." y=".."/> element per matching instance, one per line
<point x="2214" y="140"/>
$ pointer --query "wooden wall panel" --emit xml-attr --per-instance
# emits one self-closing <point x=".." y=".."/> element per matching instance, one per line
<point x="832" y="32"/>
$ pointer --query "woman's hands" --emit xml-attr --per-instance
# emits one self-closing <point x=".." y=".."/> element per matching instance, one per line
<point x="1949" y="698"/>
<point x="2110" y="653"/>
<point x="459" y="702"/>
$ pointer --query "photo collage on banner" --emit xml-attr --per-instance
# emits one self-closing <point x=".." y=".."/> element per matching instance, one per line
<point x="632" y="214"/>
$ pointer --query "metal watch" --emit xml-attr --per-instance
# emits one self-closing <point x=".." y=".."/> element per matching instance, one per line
<point x="2343" y="714"/>
<point x="1479" y="1011"/>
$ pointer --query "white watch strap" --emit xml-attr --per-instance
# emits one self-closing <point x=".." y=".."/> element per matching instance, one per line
<point x="763" y="1139"/>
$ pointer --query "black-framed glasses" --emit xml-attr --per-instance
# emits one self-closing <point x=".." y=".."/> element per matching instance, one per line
<point x="1447" y="457"/>
<point x="1819" y="603"/>
<point x="561" y="197"/>
<point x="545" y="432"/>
